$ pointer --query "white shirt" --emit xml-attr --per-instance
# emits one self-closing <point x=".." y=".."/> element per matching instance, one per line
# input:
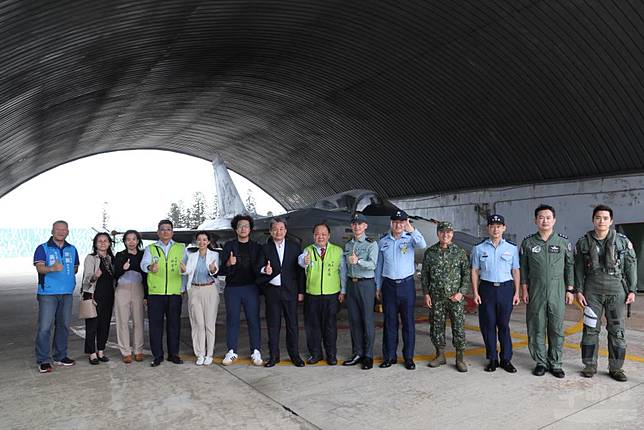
<point x="280" y="253"/>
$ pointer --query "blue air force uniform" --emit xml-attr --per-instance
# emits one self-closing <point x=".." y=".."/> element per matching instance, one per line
<point x="395" y="280"/>
<point x="496" y="289"/>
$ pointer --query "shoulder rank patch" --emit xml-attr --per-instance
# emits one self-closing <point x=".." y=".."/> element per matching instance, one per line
<point x="529" y="236"/>
<point x="511" y="243"/>
<point x="384" y="235"/>
<point x="562" y="235"/>
<point x="480" y="242"/>
<point x="368" y="239"/>
<point x="629" y="244"/>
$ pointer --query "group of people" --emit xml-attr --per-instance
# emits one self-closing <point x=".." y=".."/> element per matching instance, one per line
<point x="543" y="271"/>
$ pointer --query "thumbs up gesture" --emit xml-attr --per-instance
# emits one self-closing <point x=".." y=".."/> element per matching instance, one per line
<point x="307" y="258"/>
<point x="126" y="266"/>
<point x="232" y="260"/>
<point x="353" y="258"/>
<point x="268" y="269"/>
<point x="213" y="267"/>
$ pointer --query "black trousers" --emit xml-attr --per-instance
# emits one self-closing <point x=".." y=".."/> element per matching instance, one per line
<point x="278" y="304"/>
<point x="321" y="323"/>
<point x="97" y="330"/>
<point x="166" y="308"/>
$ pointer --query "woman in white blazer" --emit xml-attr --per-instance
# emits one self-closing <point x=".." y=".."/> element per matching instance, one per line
<point x="201" y="267"/>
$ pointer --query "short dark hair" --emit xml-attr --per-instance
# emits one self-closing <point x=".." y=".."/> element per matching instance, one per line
<point x="200" y="232"/>
<point x="109" y="250"/>
<point x="240" y="217"/>
<point x="543" y="207"/>
<point x="276" y="220"/>
<point x="324" y="224"/>
<point x="600" y="208"/>
<point x="60" y="221"/>
<point x="165" y="222"/>
<point x="139" y="240"/>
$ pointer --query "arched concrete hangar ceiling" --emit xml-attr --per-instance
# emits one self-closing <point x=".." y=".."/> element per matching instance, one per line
<point x="308" y="98"/>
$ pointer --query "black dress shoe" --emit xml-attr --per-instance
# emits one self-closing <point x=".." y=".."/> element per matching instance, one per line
<point x="271" y="362"/>
<point x="175" y="359"/>
<point x="93" y="361"/>
<point x="558" y="373"/>
<point x="104" y="359"/>
<point x="298" y="362"/>
<point x="386" y="363"/>
<point x="156" y="362"/>
<point x="312" y="360"/>
<point x="491" y="366"/>
<point x="332" y="361"/>
<point x="409" y="364"/>
<point x="355" y="360"/>
<point x="367" y="363"/>
<point x="508" y="367"/>
<point x="539" y="370"/>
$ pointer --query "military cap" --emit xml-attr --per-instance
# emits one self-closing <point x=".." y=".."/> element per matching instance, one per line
<point x="399" y="215"/>
<point x="358" y="218"/>
<point x="444" y="225"/>
<point x="495" y="219"/>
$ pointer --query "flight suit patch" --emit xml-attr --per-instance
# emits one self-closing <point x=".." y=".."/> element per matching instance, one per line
<point x="554" y="249"/>
<point x="536" y="249"/>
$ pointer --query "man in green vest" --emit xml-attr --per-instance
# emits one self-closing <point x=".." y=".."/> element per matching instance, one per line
<point x="162" y="262"/>
<point x="605" y="281"/>
<point x="547" y="278"/>
<point x="325" y="278"/>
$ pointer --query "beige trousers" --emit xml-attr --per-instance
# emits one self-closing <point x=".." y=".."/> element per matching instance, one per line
<point x="203" y="303"/>
<point x="128" y="302"/>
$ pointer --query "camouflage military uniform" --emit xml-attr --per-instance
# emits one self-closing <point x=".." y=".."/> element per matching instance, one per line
<point x="446" y="272"/>
<point x="603" y="282"/>
<point x="546" y="268"/>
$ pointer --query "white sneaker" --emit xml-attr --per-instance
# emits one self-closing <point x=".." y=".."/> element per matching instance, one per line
<point x="200" y="360"/>
<point x="229" y="358"/>
<point x="256" y="358"/>
<point x="207" y="361"/>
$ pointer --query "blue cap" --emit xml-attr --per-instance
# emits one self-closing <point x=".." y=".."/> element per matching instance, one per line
<point x="399" y="215"/>
<point x="358" y="218"/>
<point x="495" y="219"/>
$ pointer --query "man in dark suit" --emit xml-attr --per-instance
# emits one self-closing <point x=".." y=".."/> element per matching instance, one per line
<point x="282" y="281"/>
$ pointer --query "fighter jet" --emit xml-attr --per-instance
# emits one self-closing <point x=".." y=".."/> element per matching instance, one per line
<point x="336" y="210"/>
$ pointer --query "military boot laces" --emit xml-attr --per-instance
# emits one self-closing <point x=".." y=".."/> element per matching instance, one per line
<point x="439" y="360"/>
<point x="460" y="362"/>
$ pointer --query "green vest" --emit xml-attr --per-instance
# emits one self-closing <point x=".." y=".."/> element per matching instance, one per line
<point x="323" y="276"/>
<point x="167" y="281"/>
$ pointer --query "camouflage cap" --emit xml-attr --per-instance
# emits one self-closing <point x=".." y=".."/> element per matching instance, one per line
<point x="444" y="225"/>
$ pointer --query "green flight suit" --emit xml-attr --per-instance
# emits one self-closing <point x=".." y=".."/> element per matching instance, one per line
<point x="604" y="282"/>
<point x="446" y="272"/>
<point x="547" y="267"/>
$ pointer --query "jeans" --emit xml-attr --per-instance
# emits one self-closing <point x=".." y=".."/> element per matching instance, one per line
<point x="53" y="310"/>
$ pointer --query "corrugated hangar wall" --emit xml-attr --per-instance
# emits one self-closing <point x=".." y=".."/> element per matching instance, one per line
<point x="312" y="98"/>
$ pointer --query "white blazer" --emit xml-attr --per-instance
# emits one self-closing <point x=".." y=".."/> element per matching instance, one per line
<point x="191" y="264"/>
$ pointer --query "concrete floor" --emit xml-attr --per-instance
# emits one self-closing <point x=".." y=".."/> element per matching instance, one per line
<point x="115" y="395"/>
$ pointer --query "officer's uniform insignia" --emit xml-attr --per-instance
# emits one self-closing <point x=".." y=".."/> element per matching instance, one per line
<point x="554" y="249"/>
<point x="630" y="245"/>
<point x="536" y="249"/>
<point x="569" y="246"/>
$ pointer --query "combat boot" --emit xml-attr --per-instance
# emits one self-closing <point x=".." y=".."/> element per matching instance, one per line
<point x="439" y="360"/>
<point x="460" y="362"/>
<point x="588" y="371"/>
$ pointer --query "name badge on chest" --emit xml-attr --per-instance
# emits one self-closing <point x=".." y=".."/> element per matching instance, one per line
<point x="554" y="249"/>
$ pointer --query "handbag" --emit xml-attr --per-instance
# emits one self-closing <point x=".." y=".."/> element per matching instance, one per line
<point x="87" y="309"/>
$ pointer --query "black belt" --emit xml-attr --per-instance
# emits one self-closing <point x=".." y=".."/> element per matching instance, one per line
<point x="400" y="281"/>
<point x="494" y="284"/>
<point x="356" y="280"/>
<point x="202" y="285"/>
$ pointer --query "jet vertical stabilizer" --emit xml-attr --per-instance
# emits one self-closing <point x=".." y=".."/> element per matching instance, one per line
<point x="230" y="203"/>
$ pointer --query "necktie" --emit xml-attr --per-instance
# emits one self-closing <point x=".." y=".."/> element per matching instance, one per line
<point x="322" y="252"/>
